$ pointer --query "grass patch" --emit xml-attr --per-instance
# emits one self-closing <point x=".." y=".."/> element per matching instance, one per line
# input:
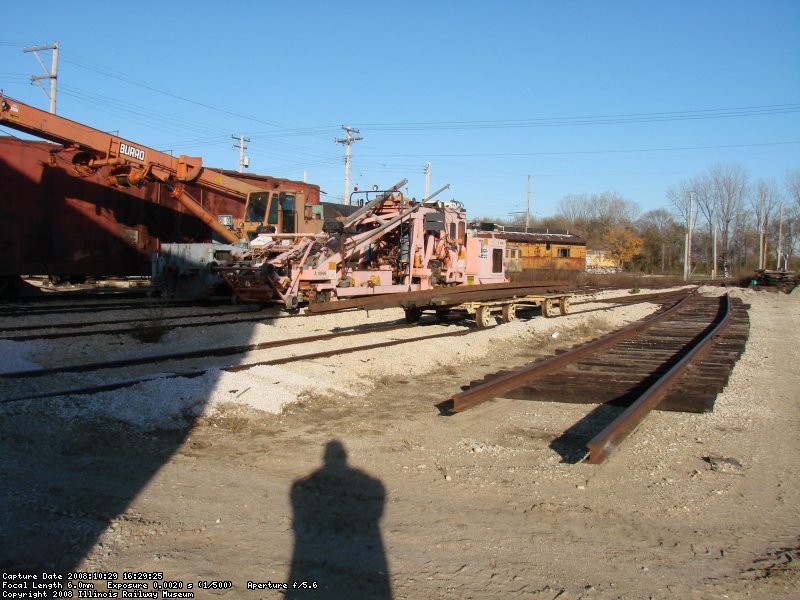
<point x="592" y="327"/>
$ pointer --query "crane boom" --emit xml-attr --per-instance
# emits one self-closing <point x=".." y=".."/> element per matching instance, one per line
<point x="131" y="163"/>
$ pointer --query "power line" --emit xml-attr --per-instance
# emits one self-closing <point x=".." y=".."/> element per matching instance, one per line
<point x="166" y="122"/>
<point x="85" y="64"/>
<point x="617" y="151"/>
<point x="651" y="117"/>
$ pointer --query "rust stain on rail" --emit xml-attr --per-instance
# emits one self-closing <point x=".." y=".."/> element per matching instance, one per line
<point x="442" y="296"/>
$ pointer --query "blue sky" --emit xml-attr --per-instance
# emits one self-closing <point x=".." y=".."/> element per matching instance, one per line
<point x="585" y="97"/>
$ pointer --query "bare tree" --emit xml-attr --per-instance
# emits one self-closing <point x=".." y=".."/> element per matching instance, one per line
<point x="661" y="235"/>
<point x="576" y="208"/>
<point x="793" y="185"/>
<point x="720" y="194"/>
<point x="682" y="199"/>
<point x="678" y="197"/>
<point x="593" y="215"/>
<point x="792" y="232"/>
<point x="765" y="200"/>
<point x="611" y="209"/>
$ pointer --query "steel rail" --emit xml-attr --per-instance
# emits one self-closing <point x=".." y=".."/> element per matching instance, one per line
<point x="636" y="298"/>
<point x="203" y="353"/>
<point x="605" y="442"/>
<point x="85" y="324"/>
<point x="51" y="308"/>
<point x="231" y="368"/>
<point x="441" y="296"/>
<point x="145" y="324"/>
<point x="522" y="376"/>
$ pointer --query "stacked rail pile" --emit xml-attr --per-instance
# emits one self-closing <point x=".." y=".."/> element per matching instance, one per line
<point x="781" y="279"/>
<point x="683" y="355"/>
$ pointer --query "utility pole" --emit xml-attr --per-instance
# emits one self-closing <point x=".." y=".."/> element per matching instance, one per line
<point x="687" y="250"/>
<point x="780" y="241"/>
<point x="347" y="141"/>
<point x="714" y="254"/>
<point x="691" y="225"/>
<point x="244" y="161"/>
<point x="761" y="229"/>
<point x="528" y="207"/>
<point x="427" y="179"/>
<point x="52" y="74"/>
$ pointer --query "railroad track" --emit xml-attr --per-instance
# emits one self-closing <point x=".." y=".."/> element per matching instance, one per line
<point x="50" y="382"/>
<point x="659" y="297"/>
<point x="77" y="306"/>
<point x="73" y="378"/>
<point x="679" y="359"/>
<point x="151" y="314"/>
<point x="82" y="306"/>
<point x="159" y="319"/>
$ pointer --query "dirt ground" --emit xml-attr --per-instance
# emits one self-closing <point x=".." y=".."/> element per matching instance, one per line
<point x="371" y="493"/>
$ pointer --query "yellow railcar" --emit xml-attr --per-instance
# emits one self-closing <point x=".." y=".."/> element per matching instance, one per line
<point x="540" y="251"/>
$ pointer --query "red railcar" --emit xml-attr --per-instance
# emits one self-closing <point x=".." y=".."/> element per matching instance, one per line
<point x="57" y="223"/>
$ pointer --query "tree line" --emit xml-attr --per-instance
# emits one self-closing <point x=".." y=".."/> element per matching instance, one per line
<point x="752" y="224"/>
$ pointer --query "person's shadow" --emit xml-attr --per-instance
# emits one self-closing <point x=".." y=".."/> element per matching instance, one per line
<point x="338" y="550"/>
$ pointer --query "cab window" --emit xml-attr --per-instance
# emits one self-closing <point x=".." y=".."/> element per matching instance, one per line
<point x="273" y="211"/>
<point x="287" y="206"/>
<point x="256" y="207"/>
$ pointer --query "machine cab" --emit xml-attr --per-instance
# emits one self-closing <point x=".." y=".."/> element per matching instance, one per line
<point x="272" y="212"/>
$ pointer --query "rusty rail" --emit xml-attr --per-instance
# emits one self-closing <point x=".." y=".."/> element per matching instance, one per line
<point x="610" y="438"/>
<point x="144" y="323"/>
<point x="442" y="296"/>
<point x="202" y="353"/>
<point x="236" y="368"/>
<point x="509" y="381"/>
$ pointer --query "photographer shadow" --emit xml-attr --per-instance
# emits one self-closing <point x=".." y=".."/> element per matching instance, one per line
<point x="338" y="549"/>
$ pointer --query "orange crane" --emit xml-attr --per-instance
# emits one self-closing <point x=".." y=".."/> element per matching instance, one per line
<point x="132" y="164"/>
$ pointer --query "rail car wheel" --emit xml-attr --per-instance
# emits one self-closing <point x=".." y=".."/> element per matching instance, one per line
<point x="509" y="312"/>
<point x="413" y="315"/>
<point x="548" y="308"/>
<point x="563" y="305"/>
<point x="483" y="316"/>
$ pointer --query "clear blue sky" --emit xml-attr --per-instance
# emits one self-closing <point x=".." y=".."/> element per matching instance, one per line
<point x="585" y="97"/>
